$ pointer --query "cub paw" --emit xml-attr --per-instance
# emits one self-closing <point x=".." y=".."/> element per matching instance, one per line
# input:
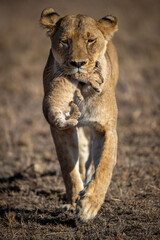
<point x="71" y="123"/>
<point x="61" y="125"/>
<point x="75" y="114"/>
<point x="96" y="88"/>
<point x="78" y="95"/>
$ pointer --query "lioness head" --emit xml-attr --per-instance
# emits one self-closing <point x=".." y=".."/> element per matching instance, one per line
<point x="78" y="41"/>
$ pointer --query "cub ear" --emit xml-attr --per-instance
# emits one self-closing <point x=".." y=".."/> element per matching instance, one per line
<point x="49" y="18"/>
<point x="108" y="25"/>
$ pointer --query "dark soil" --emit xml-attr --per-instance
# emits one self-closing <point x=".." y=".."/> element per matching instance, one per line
<point x="31" y="185"/>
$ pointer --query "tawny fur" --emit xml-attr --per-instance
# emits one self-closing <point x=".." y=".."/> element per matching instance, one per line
<point x="59" y="109"/>
<point x="80" y="38"/>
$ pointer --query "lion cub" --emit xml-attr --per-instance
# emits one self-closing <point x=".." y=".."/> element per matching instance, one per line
<point x="58" y="106"/>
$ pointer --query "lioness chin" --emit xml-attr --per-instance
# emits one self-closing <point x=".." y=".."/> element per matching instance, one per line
<point x="78" y="43"/>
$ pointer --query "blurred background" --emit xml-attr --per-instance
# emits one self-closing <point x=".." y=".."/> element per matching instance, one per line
<point x="26" y="146"/>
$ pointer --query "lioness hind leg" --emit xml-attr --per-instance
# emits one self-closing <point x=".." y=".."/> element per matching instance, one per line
<point x="83" y="152"/>
<point x="66" y="143"/>
<point x="85" y="156"/>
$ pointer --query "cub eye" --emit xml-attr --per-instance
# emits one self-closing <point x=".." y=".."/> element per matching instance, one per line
<point x="91" y="40"/>
<point x="64" y="43"/>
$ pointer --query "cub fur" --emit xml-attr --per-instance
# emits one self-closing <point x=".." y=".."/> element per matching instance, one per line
<point x="58" y="106"/>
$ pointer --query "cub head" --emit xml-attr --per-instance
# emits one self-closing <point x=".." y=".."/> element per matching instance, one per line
<point x="78" y="41"/>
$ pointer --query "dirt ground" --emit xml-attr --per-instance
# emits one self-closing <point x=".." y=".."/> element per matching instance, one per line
<point x="31" y="185"/>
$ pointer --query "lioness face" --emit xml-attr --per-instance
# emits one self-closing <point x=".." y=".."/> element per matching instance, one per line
<point x="78" y="42"/>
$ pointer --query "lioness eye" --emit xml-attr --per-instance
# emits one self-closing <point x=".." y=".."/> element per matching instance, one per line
<point x="64" y="42"/>
<point x="91" y="40"/>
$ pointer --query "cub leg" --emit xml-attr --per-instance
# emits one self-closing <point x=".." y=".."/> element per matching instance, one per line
<point x="96" y="80"/>
<point x="66" y="143"/>
<point x="92" y="197"/>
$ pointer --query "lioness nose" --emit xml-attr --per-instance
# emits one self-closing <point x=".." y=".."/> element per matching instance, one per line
<point x="77" y="64"/>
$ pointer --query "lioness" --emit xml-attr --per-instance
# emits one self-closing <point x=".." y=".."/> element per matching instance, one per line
<point x="78" y="42"/>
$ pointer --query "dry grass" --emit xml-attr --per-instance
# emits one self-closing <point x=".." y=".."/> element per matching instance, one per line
<point x="31" y="186"/>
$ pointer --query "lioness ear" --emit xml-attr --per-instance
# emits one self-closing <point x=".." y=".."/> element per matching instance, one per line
<point x="49" y="18"/>
<point x="108" y="25"/>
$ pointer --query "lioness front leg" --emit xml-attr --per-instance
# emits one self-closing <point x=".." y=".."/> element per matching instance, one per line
<point x="93" y="195"/>
<point x="66" y="143"/>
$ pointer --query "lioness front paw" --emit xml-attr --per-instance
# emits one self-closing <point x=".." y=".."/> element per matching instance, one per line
<point x="87" y="206"/>
<point x="68" y="207"/>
